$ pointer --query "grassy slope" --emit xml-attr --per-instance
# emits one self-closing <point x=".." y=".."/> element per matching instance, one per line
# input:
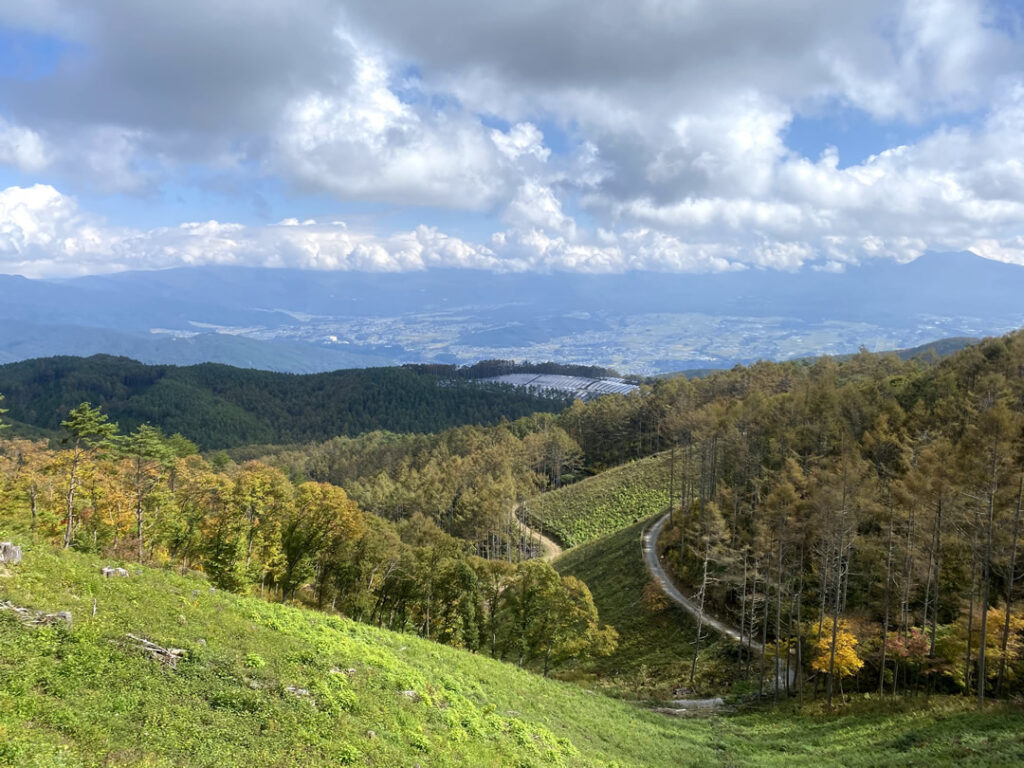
<point x="662" y="640"/>
<point x="86" y="698"/>
<point x="603" y="503"/>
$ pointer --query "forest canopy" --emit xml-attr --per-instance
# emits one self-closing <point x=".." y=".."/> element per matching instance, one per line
<point x="218" y="406"/>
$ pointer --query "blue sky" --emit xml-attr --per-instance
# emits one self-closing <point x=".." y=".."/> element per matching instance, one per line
<point x="386" y="135"/>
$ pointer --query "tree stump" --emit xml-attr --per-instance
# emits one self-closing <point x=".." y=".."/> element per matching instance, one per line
<point x="9" y="553"/>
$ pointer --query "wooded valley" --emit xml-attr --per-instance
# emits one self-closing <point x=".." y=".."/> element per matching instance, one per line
<point x="858" y="518"/>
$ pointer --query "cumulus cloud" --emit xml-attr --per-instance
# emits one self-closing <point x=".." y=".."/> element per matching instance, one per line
<point x="957" y="188"/>
<point x="44" y="233"/>
<point x="667" y="130"/>
<point x="535" y="206"/>
<point x="22" y="147"/>
<point x="366" y="143"/>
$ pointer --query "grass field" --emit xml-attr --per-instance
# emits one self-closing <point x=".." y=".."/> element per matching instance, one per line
<point x="268" y="685"/>
<point x="661" y="639"/>
<point x="604" y="503"/>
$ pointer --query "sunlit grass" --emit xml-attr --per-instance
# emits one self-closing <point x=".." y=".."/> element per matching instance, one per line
<point x="270" y="685"/>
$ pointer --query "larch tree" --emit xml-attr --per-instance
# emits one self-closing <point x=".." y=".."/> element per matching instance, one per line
<point x="89" y="431"/>
<point x="150" y="460"/>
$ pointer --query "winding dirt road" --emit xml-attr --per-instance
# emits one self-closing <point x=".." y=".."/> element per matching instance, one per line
<point x="649" y="546"/>
<point x="551" y="547"/>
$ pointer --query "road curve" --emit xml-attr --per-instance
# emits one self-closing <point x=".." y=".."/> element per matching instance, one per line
<point x="550" y="546"/>
<point x="649" y="547"/>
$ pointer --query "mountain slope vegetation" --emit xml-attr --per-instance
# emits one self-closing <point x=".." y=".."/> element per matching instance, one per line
<point x="655" y="636"/>
<point x="218" y="406"/>
<point x="870" y="505"/>
<point x="270" y="685"/>
<point x="604" y="503"/>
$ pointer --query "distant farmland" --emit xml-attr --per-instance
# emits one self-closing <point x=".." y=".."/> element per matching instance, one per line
<point x="580" y="387"/>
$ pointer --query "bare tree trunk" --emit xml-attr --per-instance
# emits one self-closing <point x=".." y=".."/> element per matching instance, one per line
<point x="970" y="629"/>
<point x="908" y="573"/>
<point x="986" y="567"/>
<point x="885" y="622"/>
<point x="138" y="523"/>
<point x="778" y="617"/>
<point x="839" y="591"/>
<point x="764" y="625"/>
<point x="33" y="491"/>
<point x="672" y="480"/>
<point x="835" y="619"/>
<point x="936" y="547"/>
<point x="744" y="637"/>
<point x="824" y="586"/>
<point x="799" y="639"/>
<point x="70" y="498"/>
<point x="1010" y="576"/>
<point x="700" y="612"/>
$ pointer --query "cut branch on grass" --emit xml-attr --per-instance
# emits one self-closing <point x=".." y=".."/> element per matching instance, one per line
<point x="168" y="656"/>
<point x="32" y="618"/>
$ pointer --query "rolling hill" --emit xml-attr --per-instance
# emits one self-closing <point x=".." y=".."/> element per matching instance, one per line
<point x="219" y="406"/>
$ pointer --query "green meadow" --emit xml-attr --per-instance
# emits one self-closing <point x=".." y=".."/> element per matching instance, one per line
<point x="262" y="684"/>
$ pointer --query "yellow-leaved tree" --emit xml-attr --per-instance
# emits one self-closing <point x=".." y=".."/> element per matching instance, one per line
<point x="847" y="663"/>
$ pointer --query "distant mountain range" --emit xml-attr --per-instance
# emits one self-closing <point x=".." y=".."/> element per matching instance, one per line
<point x="638" y="322"/>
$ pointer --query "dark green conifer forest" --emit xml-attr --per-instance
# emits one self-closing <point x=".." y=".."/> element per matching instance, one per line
<point x="218" y="406"/>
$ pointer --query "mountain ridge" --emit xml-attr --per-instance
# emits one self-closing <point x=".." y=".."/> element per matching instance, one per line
<point x="218" y="406"/>
<point x="645" y="322"/>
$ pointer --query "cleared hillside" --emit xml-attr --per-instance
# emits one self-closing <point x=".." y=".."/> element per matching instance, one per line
<point x="653" y="633"/>
<point x="604" y="503"/>
<point x="266" y="685"/>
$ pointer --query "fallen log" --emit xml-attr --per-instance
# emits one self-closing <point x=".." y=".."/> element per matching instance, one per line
<point x="32" y="618"/>
<point x="168" y="656"/>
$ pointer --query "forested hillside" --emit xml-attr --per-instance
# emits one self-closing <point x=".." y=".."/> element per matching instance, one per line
<point x="875" y="495"/>
<point x="150" y="499"/>
<point x="219" y="406"/>
<point x="861" y="516"/>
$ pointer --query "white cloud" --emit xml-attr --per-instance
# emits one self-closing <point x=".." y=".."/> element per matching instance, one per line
<point x="43" y="233"/>
<point x="521" y="139"/>
<point x="22" y="147"/>
<point x="366" y="143"/>
<point x="667" y="143"/>
<point x="535" y="206"/>
<point x="956" y="188"/>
